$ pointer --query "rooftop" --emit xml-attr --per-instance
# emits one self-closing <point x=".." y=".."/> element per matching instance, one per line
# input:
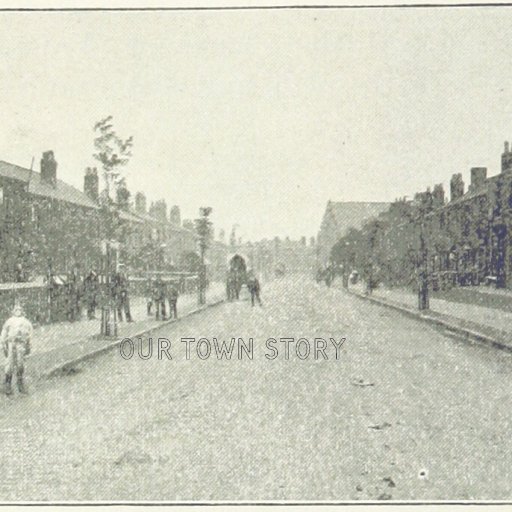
<point x="353" y="214"/>
<point x="62" y="191"/>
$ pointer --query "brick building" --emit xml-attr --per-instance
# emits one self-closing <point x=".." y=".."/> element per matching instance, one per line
<point x="465" y="240"/>
<point x="47" y="224"/>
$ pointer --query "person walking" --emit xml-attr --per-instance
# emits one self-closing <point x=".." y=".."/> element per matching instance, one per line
<point x="172" y="295"/>
<point x="15" y="339"/>
<point x="254" y="288"/>
<point x="159" y="298"/>
<point x="123" y="298"/>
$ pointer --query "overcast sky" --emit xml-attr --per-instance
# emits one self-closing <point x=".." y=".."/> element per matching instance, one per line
<point x="263" y="115"/>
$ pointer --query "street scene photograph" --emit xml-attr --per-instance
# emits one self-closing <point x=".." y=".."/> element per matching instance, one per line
<point x="256" y="256"/>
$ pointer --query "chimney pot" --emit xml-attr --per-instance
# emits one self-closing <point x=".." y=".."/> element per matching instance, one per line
<point x="49" y="169"/>
<point x="478" y="177"/>
<point x="91" y="183"/>
<point x="456" y="187"/>
<point x="140" y="202"/>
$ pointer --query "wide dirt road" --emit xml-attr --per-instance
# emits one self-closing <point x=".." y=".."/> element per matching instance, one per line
<point x="404" y="413"/>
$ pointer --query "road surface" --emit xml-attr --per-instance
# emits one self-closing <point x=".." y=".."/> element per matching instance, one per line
<point x="403" y="413"/>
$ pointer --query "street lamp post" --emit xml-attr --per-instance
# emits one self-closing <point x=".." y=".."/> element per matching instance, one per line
<point x="203" y="226"/>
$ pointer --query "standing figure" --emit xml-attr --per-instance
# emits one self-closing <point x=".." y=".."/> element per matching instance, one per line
<point x="254" y="288"/>
<point x="15" y="340"/>
<point x="18" y="270"/>
<point x="71" y="293"/>
<point x="122" y="296"/>
<point x="149" y="294"/>
<point x="172" y="295"/>
<point x="159" y="298"/>
<point x="90" y="287"/>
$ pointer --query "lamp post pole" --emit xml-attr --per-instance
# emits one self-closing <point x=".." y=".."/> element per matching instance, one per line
<point x="203" y="226"/>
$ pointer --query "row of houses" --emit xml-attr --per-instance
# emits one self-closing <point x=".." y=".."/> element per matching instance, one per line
<point x="47" y="225"/>
<point x="465" y="239"/>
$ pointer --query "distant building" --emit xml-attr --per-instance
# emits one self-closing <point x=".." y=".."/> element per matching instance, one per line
<point x="268" y="257"/>
<point x="338" y="218"/>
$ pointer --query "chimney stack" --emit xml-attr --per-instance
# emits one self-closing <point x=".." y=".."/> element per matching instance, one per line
<point x="175" y="216"/>
<point x="438" y="196"/>
<point x="456" y="187"/>
<point x="140" y="202"/>
<point x="91" y="183"/>
<point x="478" y="177"/>
<point x="49" y="169"/>
<point x="506" y="158"/>
<point x="158" y="209"/>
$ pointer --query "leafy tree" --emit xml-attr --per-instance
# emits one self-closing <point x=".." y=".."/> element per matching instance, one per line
<point x="112" y="152"/>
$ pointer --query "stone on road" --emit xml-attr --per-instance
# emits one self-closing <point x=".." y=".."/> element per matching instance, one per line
<point x="403" y="413"/>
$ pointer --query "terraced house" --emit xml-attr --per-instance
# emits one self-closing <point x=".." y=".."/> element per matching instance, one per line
<point x="47" y="225"/>
<point x="465" y="240"/>
<point x="45" y="222"/>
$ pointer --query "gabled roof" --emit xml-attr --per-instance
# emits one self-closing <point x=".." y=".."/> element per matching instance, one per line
<point x="62" y="191"/>
<point x="352" y="214"/>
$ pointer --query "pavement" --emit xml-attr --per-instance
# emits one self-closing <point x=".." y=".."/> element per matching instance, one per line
<point x="477" y="312"/>
<point x="58" y="345"/>
<point x="404" y="413"/>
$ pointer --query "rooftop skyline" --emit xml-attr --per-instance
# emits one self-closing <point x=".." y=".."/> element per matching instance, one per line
<point x="263" y="115"/>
